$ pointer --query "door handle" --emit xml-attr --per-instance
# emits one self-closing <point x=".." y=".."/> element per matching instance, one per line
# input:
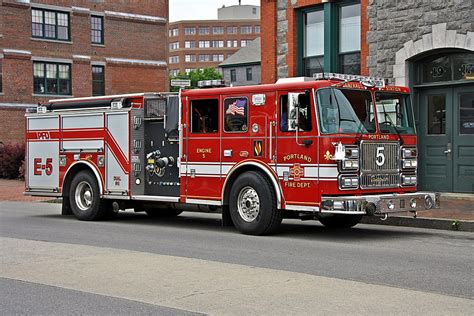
<point x="448" y="151"/>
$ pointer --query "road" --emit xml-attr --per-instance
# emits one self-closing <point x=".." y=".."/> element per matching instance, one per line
<point x="190" y="264"/>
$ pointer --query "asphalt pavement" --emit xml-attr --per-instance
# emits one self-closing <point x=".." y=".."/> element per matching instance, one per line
<point x="192" y="264"/>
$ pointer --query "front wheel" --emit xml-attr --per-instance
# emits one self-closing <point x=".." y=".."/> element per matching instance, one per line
<point x="84" y="197"/>
<point x="252" y="205"/>
<point x="340" y="221"/>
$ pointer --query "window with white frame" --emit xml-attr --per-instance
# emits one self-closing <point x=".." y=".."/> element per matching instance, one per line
<point x="244" y="43"/>
<point x="217" y="30"/>
<point x="174" y="72"/>
<point x="190" y="58"/>
<point x="174" y="45"/>
<point x="174" y="32"/>
<point x="204" y="44"/>
<point x="189" y="44"/>
<point x="174" y="59"/>
<point x="188" y="70"/>
<point x="232" y="30"/>
<point x="218" y="57"/>
<point x="203" y="30"/>
<point x="257" y="29"/>
<point x="232" y="43"/>
<point x="246" y="29"/>
<point x="204" y="58"/>
<point x="217" y="44"/>
<point x="189" y="31"/>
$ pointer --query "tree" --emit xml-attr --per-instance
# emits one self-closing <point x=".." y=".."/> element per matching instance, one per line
<point x="195" y="76"/>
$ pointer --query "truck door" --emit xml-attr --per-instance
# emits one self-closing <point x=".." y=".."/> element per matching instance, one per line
<point x="201" y="163"/>
<point x="297" y="148"/>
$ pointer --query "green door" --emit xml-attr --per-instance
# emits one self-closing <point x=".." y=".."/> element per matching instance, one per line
<point x="446" y="139"/>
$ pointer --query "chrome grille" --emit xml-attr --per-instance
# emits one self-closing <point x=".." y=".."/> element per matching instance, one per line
<point x="380" y="180"/>
<point x="384" y="176"/>
<point x="391" y="152"/>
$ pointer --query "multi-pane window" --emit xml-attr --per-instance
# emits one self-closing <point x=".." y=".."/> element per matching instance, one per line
<point x="98" y="80"/>
<point x="349" y="39"/>
<point x="97" y="29"/>
<point x="204" y="44"/>
<point x="174" y="59"/>
<point x="232" y="30"/>
<point x="190" y="58"/>
<point x="174" y="72"/>
<point x="232" y="44"/>
<point x="188" y="70"/>
<point x="174" y="32"/>
<point x="203" y="30"/>
<point x="244" y="43"/>
<point x="50" y="24"/>
<point x="218" y="57"/>
<point x="189" y="44"/>
<point x="233" y="75"/>
<point x="174" y="45"/>
<point x="51" y="78"/>
<point x="189" y="31"/>
<point x="314" y="42"/>
<point x="257" y="29"/>
<point x="248" y="72"/>
<point x="246" y="29"/>
<point x="204" y="58"/>
<point x="217" y="30"/>
<point x="217" y="44"/>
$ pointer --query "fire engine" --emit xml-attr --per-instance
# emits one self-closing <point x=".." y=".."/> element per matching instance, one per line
<point x="333" y="148"/>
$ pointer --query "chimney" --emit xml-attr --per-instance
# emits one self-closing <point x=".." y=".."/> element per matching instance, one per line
<point x="240" y="2"/>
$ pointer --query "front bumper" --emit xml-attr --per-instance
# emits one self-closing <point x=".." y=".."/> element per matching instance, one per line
<point x="380" y="204"/>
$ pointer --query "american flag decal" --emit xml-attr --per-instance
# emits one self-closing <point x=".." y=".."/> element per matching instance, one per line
<point x="237" y="107"/>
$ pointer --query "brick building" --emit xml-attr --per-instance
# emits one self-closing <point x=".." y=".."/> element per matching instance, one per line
<point x="427" y="45"/>
<point x="198" y="44"/>
<point x="63" y="48"/>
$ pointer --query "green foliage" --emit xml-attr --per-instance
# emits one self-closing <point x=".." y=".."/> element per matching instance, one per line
<point x="195" y="76"/>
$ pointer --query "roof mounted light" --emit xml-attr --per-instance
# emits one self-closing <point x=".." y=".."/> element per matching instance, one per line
<point x="211" y="83"/>
<point x="370" y="82"/>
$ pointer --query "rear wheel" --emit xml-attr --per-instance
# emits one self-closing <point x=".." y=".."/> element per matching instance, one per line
<point x="84" y="197"/>
<point x="252" y="205"/>
<point x="340" y="221"/>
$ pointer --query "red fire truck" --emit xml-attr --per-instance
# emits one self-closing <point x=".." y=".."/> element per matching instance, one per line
<point x="332" y="148"/>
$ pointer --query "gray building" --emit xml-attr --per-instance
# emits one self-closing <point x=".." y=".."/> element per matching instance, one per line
<point x="243" y="68"/>
<point x="236" y="12"/>
<point x="429" y="46"/>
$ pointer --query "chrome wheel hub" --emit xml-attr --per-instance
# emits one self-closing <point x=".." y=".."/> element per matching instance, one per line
<point x="248" y="204"/>
<point x="83" y="195"/>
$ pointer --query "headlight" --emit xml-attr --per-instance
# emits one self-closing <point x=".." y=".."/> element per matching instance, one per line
<point x="409" y="152"/>
<point x="350" y="164"/>
<point x="348" y="182"/>
<point x="409" y="163"/>
<point x="352" y="152"/>
<point x="408" y="180"/>
<point x="351" y="159"/>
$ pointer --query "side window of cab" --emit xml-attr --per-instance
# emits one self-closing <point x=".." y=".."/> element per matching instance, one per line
<point x="236" y="115"/>
<point x="295" y="112"/>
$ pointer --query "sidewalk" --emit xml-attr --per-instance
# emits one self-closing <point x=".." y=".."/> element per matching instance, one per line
<point x="453" y="209"/>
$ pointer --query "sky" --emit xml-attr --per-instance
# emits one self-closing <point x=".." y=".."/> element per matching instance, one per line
<point x="200" y="9"/>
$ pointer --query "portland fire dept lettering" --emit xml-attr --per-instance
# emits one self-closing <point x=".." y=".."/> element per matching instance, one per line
<point x="297" y="156"/>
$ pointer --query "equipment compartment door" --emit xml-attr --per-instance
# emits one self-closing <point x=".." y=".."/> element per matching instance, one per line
<point x="117" y="153"/>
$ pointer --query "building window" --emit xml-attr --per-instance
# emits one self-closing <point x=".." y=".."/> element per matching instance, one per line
<point x="257" y="29"/>
<point x="174" y="45"/>
<point x="232" y="44"/>
<point x="204" y="58"/>
<point x="188" y="70"/>
<point x="244" y="43"/>
<point x="98" y="80"/>
<point x="189" y="31"/>
<point x="190" y="58"/>
<point x="218" y="57"/>
<point x="51" y="78"/>
<point x="217" y="44"/>
<point x="232" y="30"/>
<point x="248" y="71"/>
<point x="204" y="44"/>
<point x="233" y="75"/>
<point x="246" y="29"/>
<point x="218" y="30"/>
<point x="349" y="39"/>
<point x="50" y="24"/>
<point x="97" y="29"/>
<point x="314" y="43"/>
<point x="254" y="10"/>
<point x="174" y="59"/>
<point x="174" y="32"/>
<point x="203" y="30"/>
<point x="189" y="44"/>
<point x="174" y="72"/>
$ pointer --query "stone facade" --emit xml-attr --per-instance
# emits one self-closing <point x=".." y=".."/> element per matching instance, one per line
<point x="399" y="30"/>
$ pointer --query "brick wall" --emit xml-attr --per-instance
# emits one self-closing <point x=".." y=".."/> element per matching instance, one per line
<point x="12" y="128"/>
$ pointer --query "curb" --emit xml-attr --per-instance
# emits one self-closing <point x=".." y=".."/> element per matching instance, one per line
<point x="430" y="223"/>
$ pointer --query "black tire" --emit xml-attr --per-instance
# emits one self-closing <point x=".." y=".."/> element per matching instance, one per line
<point x="266" y="218"/>
<point x="84" y="197"/>
<point x="340" y="221"/>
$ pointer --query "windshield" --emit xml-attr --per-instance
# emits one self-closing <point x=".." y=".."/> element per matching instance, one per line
<point x="345" y="111"/>
<point x="394" y="113"/>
